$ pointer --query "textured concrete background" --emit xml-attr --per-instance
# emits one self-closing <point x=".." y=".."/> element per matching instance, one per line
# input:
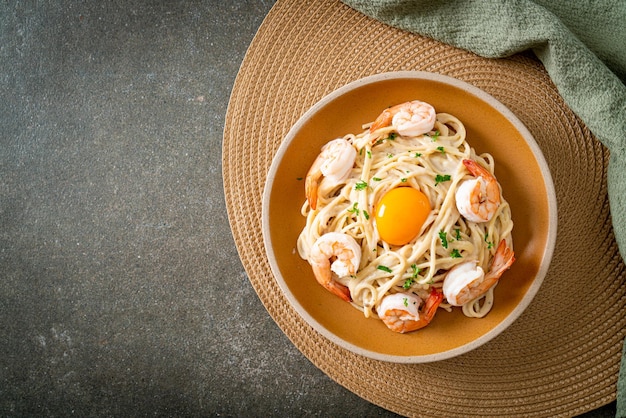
<point x="121" y="292"/>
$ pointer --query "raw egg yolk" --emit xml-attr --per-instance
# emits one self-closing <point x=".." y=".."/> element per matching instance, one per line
<point x="400" y="214"/>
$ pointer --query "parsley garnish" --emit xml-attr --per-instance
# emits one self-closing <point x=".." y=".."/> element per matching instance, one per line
<point x="458" y="234"/>
<point x="369" y="154"/>
<point x="354" y="209"/>
<point x="390" y="155"/>
<point x="408" y="282"/>
<point x="455" y="254"/>
<point x="440" y="179"/>
<point x="442" y="150"/>
<point x="489" y="243"/>
<point x="384" y="268"/>
<point x="416" y="271"/>
<point x="435" y="136"/>
<point x="376" y="178"/>
<point x="361" y="185"/>
<point x="418" y="154"/>
<point x="403" y="180"/>
<point x="444" y="239"/>
<point x="405" y="301"/>
<point x="392" y="136"/>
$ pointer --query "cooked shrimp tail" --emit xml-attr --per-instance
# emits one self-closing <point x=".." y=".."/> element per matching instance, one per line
<point x="335" y="254"/>
<point x="312" y="181"/>
<point x="321" y="273"/>
<point x="502" y="260"/>
<point x="432" y="303"/>
<point x="478" y="170"/>
<point x="383" y="120"/>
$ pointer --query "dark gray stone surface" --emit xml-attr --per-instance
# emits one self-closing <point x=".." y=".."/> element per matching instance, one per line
<point x="121" y="291"/>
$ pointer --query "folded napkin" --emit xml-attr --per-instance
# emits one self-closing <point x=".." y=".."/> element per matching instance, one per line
<point x="582" y="45"/>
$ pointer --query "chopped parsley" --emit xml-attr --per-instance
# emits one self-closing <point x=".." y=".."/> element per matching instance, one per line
<point x="457" y="235"/>
<point x="354" y="209"/>
<point x="392" y="136"/>
<point x="361" y="185"/>
<point x="376" y="178"/>
<point x="440" y="179"/>
<point x="405" y="301"/>
<point x="417" y="154"/>
<point x="416" y="271"/>
<point x="403" y="180"/>
<point x="444" y="239"/>
<point x="489" y="243"/>
<point x="455" y="254"/>
<point x="369" y="154"/>
<point x="441" y="149"/>
<point x="384" y="268"/>
<point x="409" y="282"/>
<point x="434" y="136"/>
<point x="390" y="155"/>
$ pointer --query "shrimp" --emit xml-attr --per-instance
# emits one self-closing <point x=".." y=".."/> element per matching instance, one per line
<point x="334" y="162"/>
<point x="478" y="199"/>
<point x="400" y="312"/>
<point x="467" y="281"/>
<point x="408" y="119"/>
<point x="335" y="252"/>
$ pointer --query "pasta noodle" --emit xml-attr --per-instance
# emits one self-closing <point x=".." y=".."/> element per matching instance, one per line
<point x="433" y="164"/>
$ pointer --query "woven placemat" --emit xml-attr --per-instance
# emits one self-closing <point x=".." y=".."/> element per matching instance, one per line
<point x="562" y="356"/>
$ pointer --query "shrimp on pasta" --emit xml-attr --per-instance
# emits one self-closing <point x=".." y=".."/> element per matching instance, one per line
<point x="408" y="119"/>
<point x="345" y="255"/>
<point x="400" y="311"/>
<point x="334" y="162"/>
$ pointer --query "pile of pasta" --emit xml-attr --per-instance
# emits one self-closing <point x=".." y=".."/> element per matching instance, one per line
<point x="350" y="204"/>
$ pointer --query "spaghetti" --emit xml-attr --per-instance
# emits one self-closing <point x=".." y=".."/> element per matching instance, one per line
<point x="372" y="188"/>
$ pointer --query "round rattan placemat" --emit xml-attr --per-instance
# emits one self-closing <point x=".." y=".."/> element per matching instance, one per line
<point x="562" y="356"/>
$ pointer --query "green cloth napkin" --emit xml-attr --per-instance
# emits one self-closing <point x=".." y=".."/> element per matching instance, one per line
<point x="581" y="43"/>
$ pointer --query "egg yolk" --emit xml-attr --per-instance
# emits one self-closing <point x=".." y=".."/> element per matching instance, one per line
<point x="400" y="214"/>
